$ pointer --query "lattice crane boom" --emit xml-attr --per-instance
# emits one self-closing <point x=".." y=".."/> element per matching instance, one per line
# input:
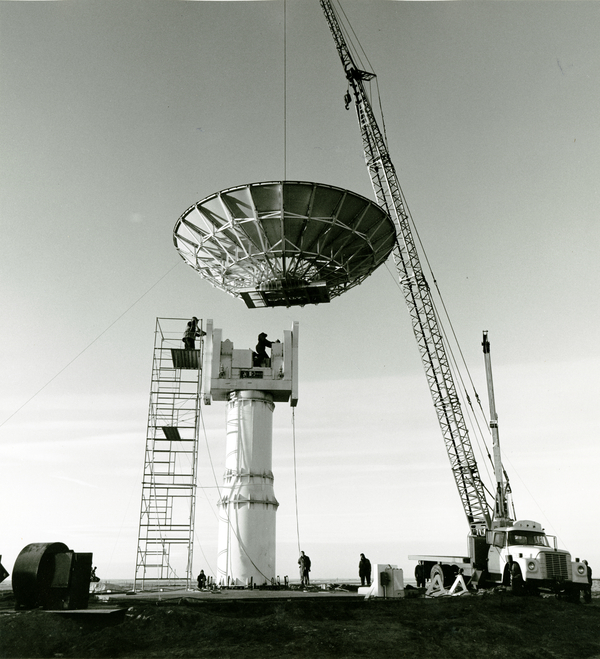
<point x="416" y="292"/>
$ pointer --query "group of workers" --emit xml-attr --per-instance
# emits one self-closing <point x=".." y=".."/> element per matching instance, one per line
<point x="304" y="566"/>
<point x="260" y="356"/>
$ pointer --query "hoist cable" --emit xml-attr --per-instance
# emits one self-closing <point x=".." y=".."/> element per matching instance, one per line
<point x="356" y="53"/>
<point x="349" y="40"/>
<point x="229" y="522"/>
<point x="284" y="91"/>
<point x="357" y="46"/>
<point x="295" y="477"/>
<point x="446" y="315"/>
<point x="452" y="358"/>
<point x="210" y="460"/>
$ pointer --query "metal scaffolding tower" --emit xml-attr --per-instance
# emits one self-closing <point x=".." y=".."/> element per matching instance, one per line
<point x="166" y="529"/>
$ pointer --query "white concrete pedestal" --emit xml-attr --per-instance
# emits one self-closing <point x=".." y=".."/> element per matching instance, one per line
<point x="248" y="505"/>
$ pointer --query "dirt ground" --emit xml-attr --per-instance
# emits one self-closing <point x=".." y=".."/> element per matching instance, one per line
<point x="497" y="625"/>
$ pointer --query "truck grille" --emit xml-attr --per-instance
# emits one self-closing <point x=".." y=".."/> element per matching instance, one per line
<point x="557" y="566"/>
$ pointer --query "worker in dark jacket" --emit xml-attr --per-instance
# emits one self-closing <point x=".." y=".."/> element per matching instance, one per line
<point x="190" y="334"/>
<point x="201" y="580"/>
<point x="587" y="593"/>
<point x="364" y="570"/>
<point x="420" y="574"/>
<point x="262" y="358"/>
<point x="304" y="566"/>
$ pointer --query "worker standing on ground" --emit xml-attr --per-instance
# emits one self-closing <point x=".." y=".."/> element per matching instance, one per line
<point x="304" y="565"/>
<point x="587" y="593"/>
<point x="420" y="574"/>
<point x="364" y="570"/>
<point x="190" y="334"/>
<point x="201" y="580"/>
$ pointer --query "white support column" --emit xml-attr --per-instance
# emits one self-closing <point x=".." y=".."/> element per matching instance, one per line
<point x="248" y="504"/>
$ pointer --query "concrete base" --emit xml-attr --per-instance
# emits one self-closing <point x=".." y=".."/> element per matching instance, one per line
<point x="228" y="595"/>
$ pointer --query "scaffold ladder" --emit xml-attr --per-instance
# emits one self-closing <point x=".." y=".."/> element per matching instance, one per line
<point x="167" y="512"/>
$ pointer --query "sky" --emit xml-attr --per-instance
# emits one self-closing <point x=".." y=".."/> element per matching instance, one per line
<point x="116" y="117"/>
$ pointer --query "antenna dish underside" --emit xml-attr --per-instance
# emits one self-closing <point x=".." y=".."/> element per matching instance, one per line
<point x="284" y="243"/>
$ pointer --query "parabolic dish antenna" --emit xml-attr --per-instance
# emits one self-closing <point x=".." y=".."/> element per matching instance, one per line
<point x="284" y="243"/>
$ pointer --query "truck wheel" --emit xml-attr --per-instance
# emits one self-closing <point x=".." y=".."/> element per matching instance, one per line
<point x="447" y="574"/>
<point x="516" y="580"/>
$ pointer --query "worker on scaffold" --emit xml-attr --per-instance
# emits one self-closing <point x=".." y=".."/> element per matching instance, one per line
<point x="190" y="334"/>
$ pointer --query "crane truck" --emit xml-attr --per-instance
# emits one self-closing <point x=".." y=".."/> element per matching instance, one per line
<point x="517" y="554"/>
<point x="501" y="549"/>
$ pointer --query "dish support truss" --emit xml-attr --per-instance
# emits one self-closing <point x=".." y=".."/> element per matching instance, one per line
<point x="167" y="513"/>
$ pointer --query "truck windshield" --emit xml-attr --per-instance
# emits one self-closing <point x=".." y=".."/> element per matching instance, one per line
<point x="527" y="538"/>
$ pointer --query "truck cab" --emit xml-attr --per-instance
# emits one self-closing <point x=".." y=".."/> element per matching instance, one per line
<point x="522" y="556"/>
